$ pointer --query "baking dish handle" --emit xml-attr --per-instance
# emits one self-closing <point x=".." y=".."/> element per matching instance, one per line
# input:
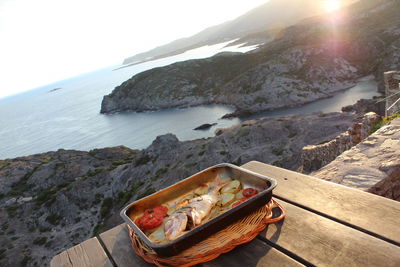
<point x="269" y="218"/>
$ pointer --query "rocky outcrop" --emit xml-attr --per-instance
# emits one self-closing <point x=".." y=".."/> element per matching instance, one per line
<point x="373" y="165"/>
<point x="52" y="201"/>
<point x="308" y="62"/>
<point x="205" y="126"/>
<point x="252" y="82"/>
<point x="313" y="157"/>
<point x="363" y="106"/>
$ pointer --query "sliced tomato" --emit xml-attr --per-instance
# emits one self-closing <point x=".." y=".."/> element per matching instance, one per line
<point x="152" y="218"/>
<point x="239" y="202"/>
<point x="249" y="192"/>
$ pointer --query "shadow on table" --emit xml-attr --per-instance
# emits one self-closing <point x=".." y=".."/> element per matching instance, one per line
<point x="252" y="253"/>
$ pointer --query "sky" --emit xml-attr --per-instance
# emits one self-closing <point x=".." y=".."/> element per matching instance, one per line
<point x="44" y="41"/>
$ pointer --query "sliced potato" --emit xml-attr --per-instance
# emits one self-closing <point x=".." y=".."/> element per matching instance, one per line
<point x="201" y="190"/>
<point x="158" y="235"/>
<point x="223" y="180"/>
<point x="226" y="179"/>
<point x="239" y="195"/>
<point x="227" y="198"/>
<point x="224" y="209"/>
<point x="233" y="187"/>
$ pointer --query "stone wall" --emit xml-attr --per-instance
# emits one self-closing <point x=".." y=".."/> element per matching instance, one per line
<point x="314" y="157"/>
<point x="373" y="165"/>
<point x="392" y="84"/>
<point x="388" y="187"/>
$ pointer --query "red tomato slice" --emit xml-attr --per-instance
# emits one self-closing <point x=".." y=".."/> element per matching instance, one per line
<point x="249" y="192"/>
<point x="239" y="202"/>
<point x="152" y="218"/>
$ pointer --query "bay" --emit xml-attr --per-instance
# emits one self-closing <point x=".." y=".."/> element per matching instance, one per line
<point x="66" y="114"/>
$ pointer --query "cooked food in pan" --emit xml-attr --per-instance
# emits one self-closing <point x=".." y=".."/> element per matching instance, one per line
<point x="165" y="223"/>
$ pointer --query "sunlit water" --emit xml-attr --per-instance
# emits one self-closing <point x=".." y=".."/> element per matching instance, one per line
<point x="40" y="120"/>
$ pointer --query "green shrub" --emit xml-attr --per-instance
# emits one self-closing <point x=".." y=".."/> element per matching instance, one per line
<point x="278" y="151"/>
<point x="124" y="197"/>
<point x="22" y="186"/>
<point x="54" y="219"/>
<point x="91" y="173"/>
<point x="12" y="210"/>
<point x="106" y="207"/>
<point x="2" y="252"/>
<point x="47" y="196"/>
<point x="386" y="120"/>
<point x="190" y="164"/>
<point x="40" y="241"/>
<point x="64" y="184"/>
<point x="143" y="160"/>
<point x="147" y="192"/>
<point x="278" y="163"/>
<point x="25" y="261"/>
<point x="161" y="171"/>
<point x="98" y="229"/>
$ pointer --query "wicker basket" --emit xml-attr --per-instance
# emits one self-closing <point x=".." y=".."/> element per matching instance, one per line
<point x="240" y="232"/>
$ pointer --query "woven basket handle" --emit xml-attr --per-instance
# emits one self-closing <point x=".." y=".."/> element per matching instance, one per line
<point x="269" y="218"/>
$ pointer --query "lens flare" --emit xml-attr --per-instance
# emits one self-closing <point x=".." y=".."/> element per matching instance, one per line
<point x="331" y="5"/>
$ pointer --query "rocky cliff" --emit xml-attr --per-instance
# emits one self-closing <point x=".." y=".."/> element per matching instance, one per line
<point x="52" y="201"/>
<point x="312" y="60"/>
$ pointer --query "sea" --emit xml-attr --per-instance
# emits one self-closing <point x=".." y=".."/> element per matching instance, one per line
<point x="66" y="114"/>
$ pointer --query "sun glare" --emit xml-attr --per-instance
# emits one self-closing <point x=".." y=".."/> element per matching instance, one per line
<point x="331" y="5"/>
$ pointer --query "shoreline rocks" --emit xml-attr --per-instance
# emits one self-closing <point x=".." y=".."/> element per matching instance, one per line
<point x="205" y="126"/>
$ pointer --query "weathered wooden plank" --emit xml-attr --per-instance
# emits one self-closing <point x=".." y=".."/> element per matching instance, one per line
<point x="85" y="254"/>
<point x="324" y="242"/>
<point x="61" y="260"/>
<point x="255" y="253"/>
<point x="118" y="244"/>
<point x="370" y="212"/>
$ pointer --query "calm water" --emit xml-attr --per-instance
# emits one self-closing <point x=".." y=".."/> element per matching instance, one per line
<point x="366" y="89"/>
<point x="40" y="121"/>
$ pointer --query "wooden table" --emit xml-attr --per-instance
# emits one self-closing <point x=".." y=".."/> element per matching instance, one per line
<point x="326" y="224"/>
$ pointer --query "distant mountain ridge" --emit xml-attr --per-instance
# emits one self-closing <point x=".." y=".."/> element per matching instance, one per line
<point x="260" y="19"/>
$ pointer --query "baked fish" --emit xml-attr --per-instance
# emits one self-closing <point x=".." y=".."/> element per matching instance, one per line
<point x="192" y="214"/>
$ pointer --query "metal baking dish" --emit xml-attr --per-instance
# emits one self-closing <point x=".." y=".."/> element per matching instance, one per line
<point x="262" y="183"/>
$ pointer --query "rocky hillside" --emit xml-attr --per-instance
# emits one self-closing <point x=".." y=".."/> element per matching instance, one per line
<point x="311" y="60"/>
<point x="52" y="201"/>
<point x="263" y="18"/>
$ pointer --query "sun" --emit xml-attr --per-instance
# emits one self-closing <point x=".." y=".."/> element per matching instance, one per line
<point x="331" y="5"/>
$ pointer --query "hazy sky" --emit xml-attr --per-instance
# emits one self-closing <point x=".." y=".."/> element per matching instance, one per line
<point x="43" y="41"/>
